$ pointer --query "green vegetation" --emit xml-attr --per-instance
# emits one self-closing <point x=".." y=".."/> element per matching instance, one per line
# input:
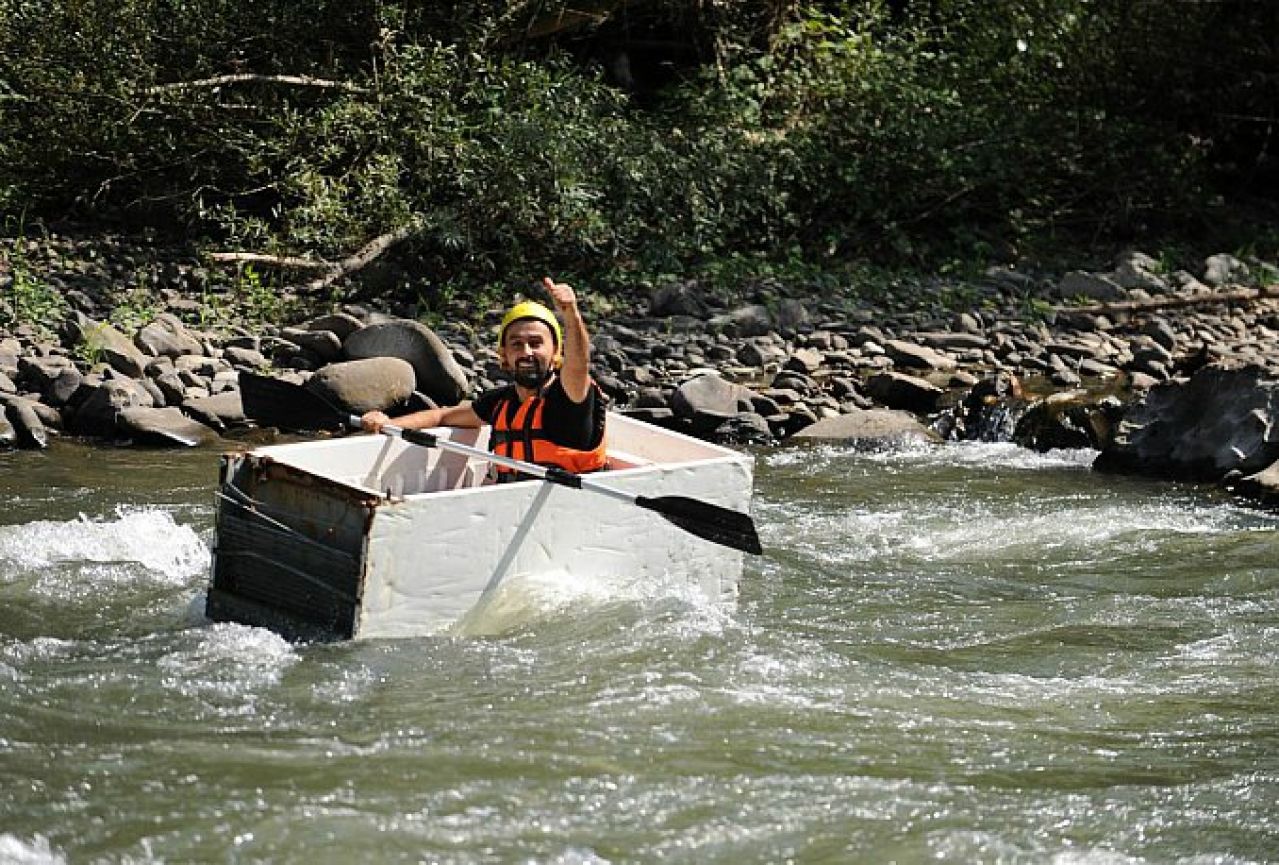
<point x="731" y="141"/>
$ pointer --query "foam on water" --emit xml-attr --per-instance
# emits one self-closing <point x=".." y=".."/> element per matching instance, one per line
<point x="33" y="851"/>
<point x="169" y="553"/>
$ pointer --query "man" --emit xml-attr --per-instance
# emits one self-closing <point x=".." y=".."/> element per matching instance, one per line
<point x="552" y="413"/>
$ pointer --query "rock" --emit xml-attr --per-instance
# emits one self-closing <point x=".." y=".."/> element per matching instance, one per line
<point x="913" y="356"/>
<point x="102" y="340"/>
<point x="220" y="412"/>
<point x="324" y="345"/>
<point x="162" y="426"/>
<point x="23" y="418"/>
<point x="707" y="401"/>
<point x="438" y="374"/>
<point x="874" y="428"/>
<point x="904" y="392"/>
<point x="1224" y="269"/>
<point x="1091" y="286"/>
<point x="745" y="321"/>
<point x="359" y="386"/>
<point x="339" y="323"/>
<point x="96" y="414"/>
<point x="166" y="336"/>
<point x="682" y="298"/>
<point x="1223" y="419"/>
<point x="1262" y="486"/>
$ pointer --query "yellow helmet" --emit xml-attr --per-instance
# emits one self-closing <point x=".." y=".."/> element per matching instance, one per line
<point x="534" y="310"/>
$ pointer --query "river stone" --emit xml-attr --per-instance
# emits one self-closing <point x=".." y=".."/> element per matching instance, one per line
<point x="162" y="426"/>
<point x="905" y="392"/>
<point x="166" y="336"/>
<point x="359" y="386"/>
<point x="677" y="299"/>
<point x="324" y="344"/>
<point x="96" y="414"/>
<point x="218" y="412"/>
<point x="911" y="355"/>
<point x="871" y="427"/>
<point x="1223" y="268"/>
<point x="8" y="435"/>
<point x="438" y="374"/>
<point x="340" y="323"/>
<point x="1221" y="420"/>
<point x="1262" y="486"/>
<point x="102" y="339"/>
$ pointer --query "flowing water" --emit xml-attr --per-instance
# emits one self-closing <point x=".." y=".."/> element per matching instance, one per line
<point x="967" y="653"/>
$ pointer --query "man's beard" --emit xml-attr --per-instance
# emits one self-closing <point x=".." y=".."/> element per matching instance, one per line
<point x="531" y="376"/>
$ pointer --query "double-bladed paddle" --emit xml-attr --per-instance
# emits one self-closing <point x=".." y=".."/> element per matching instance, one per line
<point x="282" y="404"/>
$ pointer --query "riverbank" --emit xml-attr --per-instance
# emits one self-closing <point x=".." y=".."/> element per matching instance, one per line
<point x="127" y="341"/>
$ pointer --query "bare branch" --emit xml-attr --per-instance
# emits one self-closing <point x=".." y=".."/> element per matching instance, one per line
<point x="250" y="78"/>
<point x="361" y="258"/>
<point x="1239" y="295"/>
<point x="282" y="262"/>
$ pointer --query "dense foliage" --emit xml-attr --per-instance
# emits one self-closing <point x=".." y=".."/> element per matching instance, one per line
<point x="667" y="136"/>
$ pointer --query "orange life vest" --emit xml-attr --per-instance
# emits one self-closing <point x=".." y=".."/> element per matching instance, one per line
<point x="522" y="437"/>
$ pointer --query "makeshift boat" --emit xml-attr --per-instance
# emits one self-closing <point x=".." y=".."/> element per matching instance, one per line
<point x="402" y="534"/>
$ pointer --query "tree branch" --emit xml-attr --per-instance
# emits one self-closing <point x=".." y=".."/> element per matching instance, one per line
<point x="250" y="78"/>
<point x="361" y="258"/>
<point x="1234" y="296"/>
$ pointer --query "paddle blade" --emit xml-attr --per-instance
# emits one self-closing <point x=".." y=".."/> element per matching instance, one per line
<point x="710" y="522"/>
<point x="285" y="405"/>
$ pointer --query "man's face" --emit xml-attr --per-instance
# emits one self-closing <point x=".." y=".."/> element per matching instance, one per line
<point x="528" y="353"/>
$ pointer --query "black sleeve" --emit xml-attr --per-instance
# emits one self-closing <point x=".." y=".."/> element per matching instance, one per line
<point x="577" y="425"/>
<point x="486" y="403"/>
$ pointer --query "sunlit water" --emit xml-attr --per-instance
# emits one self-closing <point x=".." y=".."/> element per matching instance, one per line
<point x="954" y="654"/>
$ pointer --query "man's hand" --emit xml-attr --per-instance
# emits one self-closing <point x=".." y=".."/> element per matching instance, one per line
<point x="373" y="421"/>
<point x="562" y="295"/>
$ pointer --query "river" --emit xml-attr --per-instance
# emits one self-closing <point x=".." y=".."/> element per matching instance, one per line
<point x="963" y="653"/>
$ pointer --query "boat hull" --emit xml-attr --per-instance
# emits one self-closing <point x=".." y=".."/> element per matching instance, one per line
<point x="370" y="536"/>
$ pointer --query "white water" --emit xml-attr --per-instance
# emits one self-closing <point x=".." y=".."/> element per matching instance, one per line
<point x="958" y="654"/>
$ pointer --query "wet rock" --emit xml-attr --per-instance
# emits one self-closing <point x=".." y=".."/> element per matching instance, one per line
<point x="162" y="426"/>
<point x="438" y="374"/>
<point x="873" y="428"/>
<point x="96" y="412"/>
<point x="706" y="401"/>
<point x="896" y="390"/>
<point x="1221" y="420"/>
<point x="221" y="412"/>
<point x="324" y="346"/>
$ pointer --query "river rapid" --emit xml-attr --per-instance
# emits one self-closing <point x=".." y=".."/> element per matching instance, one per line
<point x="959" y="653"/>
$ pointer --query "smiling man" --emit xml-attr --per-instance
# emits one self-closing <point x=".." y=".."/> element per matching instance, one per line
<point x="552" y="413"/>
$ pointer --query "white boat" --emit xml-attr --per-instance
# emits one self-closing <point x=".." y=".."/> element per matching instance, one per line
<point x="375" y="536"/>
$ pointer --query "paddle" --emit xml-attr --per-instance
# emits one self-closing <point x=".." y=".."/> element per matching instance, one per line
<point x="282" y="404"/>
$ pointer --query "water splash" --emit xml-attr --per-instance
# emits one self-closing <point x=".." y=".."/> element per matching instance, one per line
<point x="169" y="552"/>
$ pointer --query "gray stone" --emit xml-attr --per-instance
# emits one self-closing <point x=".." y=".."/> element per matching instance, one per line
<point x="873" y="428"/>
<point x="218" y="412"/>
<point x="913" y="356"/>
<point x="1091" y="286"/>
<point x="438" y="374"/>
<point x="166" y="336"/>
<point x="101" y="339"/>
<point x="1221" y="420"/>
<point x="904" y="392"/>
<point x="359" y="386"/>
<point x="162" y="426"/>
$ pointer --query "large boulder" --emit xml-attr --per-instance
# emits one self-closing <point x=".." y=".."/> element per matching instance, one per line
<point x="101" y="340"/>
<point x="438" y="375"/>
<point x="25" y="422"/>
<point x="869" y="428"/>
<point x="375" y="383"/>
<point x="162" y="426"/>
<point x="1221" y="420"/>
<point x="707" y="401"/>
<point x="166" y="336"/>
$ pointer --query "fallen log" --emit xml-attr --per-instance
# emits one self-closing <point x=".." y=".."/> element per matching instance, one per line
<point x="1240" y="295"/>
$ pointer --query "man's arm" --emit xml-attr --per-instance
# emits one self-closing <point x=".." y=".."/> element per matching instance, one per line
<point x="461" y="415"/>
<point x="575" y="375"/>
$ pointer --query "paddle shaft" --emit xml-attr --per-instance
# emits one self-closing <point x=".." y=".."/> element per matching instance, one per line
<point x="550" y="474"/>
